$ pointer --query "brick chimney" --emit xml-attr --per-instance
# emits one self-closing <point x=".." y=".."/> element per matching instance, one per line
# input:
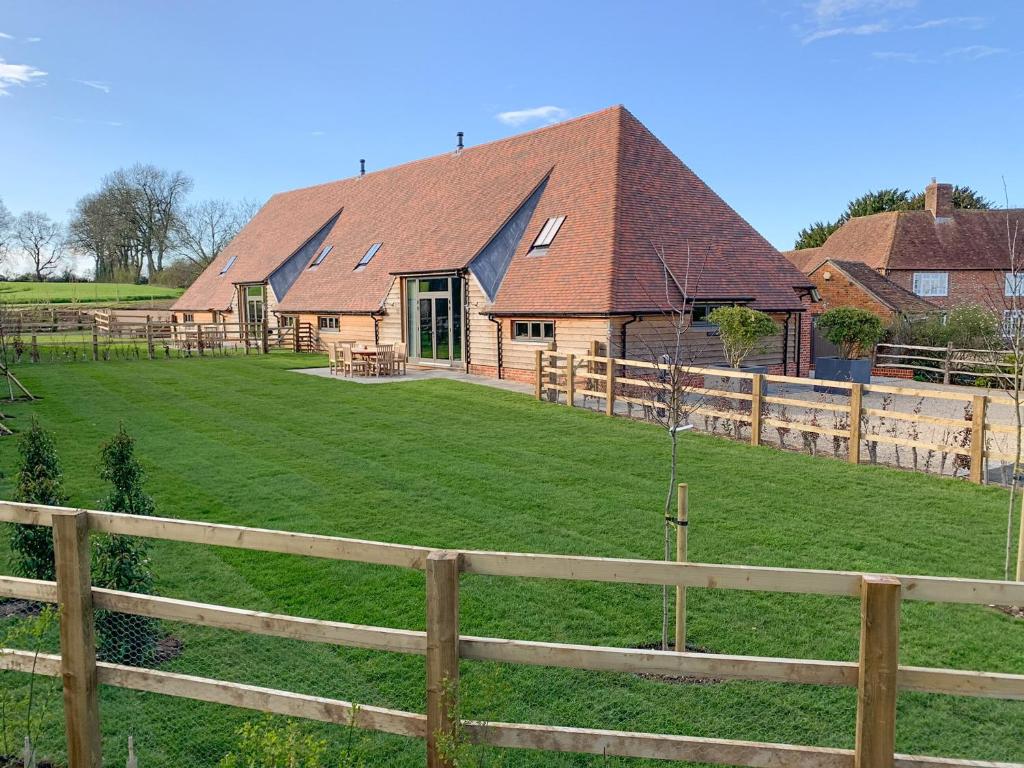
<point x="938" y="199"/>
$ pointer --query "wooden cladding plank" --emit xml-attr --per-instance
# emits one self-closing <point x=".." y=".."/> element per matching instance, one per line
<point x="263" y="699"/>
<point x="260" y="623"/>
<point x="592" y="741"/>
<point x="629" y="660"/>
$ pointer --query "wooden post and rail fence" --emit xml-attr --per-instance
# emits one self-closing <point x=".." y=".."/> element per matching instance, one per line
<point x="877" y="674"/>
<point x="947" y="363"/>
<point x="623" y="381"/>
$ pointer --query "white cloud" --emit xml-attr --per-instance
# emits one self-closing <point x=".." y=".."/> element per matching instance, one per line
<point x="88" y="121"/>
<point x="543" y="114"/>
<point x="971" y="22"/>
<point x="33" y="39"/>
<point x="976" y="51"/>
<point x="860" y="30"/>
<point x="827" y="11"/>
<point x="99" y="85"/>
<point x="910" y="58"/>
<point x="5" y="36"/>
<point x="17" y="74"/>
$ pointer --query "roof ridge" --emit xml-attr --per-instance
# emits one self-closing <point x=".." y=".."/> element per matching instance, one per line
<point x="465" y="150"/>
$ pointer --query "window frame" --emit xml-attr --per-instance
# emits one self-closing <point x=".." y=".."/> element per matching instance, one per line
<point x="226" y="267"/>
<point x="918" y="287"/>
<point x="531" y="325"/>
<point x="367" y="257"/>
<point x="1008" y="323"/>
<point x="188" y="317"/>
<point x="320" y="256"/>
<point x="328" y="323"/>
<point x="1019" y="279"/>
<point x="547" y="233"/>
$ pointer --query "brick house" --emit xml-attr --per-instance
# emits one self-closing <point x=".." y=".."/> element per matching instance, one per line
<point x="587" y="230"/>
<point x="945" y="255"/>
<point x="855" y="284"/>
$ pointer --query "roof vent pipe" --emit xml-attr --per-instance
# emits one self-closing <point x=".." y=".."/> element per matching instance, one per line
<point x="459" y="146"/>
<point x="362" y="167"/>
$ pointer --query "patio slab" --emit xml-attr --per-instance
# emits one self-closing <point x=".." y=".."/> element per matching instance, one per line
<point x="423" y="374"/>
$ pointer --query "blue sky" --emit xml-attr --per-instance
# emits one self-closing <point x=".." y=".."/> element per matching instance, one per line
<point x="787" y="109"/>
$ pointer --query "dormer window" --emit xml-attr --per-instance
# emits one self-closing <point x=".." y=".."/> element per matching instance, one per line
<point x="228" y="265"/>
<point x="547" y="233"/>
<point x="321" y="256"/>
<point x="368" y="256"/>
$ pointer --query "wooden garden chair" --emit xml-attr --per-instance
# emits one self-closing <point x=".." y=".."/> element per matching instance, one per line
<point x="333" y="363"/>
<point x="352" y="364"/>
<point x="401" y="358"/>
<point x="384" y="361"/>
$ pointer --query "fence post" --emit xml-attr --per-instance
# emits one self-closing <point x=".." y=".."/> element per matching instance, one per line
<point x="570" y="379"/>
<point x="755" y="408"/>
<point x="199" y="338"/>
<point x="592" y="362"/>
<point x="34" y="354"/>
<point x="265" y="332"/>
<point x="978" y="438"/>
<point x="682" y="521"/>
<point x="856" y="406"/>
<point x="442" y="651"/>
<point x="95" y="339"/>
<point x="947" y="363"/>
<point x="149" y="337"/>
<point x="879" y="662"/>
<point x="609" y="387"/>
<point x="539" y="384"/>
<point x="77" y="638"/>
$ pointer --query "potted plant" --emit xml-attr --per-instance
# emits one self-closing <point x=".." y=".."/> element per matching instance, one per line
<point x="854" y="333"/>
<point x="742" y="331"/>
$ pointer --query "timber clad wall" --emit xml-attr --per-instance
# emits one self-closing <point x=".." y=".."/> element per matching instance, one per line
<point x="391" y="329"/>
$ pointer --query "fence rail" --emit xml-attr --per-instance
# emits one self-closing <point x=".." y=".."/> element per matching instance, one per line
<point x="565" y="376"/>
<point x="949" y="363"/>
<point x="877" y="674"/>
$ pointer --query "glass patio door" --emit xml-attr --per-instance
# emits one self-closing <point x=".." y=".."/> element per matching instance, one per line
<point x="435" y="319"/>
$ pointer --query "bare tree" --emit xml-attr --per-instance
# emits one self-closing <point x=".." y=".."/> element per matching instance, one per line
<point x="41" y="240"/>
<point x="205" y="228"/>
<point x="152" y="199"/>
<point x="669" y="401"/>
<point x="6" y="224"/>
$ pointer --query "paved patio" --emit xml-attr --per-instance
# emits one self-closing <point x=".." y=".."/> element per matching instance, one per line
<point x="423" y="374"/>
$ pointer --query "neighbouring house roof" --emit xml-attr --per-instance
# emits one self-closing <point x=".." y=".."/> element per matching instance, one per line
<point x="893" y="296"/>
<point x="804" y="259"/>
<point x="623" y="195"/>
<point x="919" y="240"/>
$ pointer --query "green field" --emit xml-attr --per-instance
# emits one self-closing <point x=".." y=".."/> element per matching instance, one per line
<point x="447" y="464"/>
<point x="71" y="293"/>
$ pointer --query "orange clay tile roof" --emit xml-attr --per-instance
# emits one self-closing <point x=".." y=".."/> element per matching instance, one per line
<point x="805" y="259"/>
<point x="893" y="296"/>
<point x="623" y="194"/>
<point x="964" y="239"/>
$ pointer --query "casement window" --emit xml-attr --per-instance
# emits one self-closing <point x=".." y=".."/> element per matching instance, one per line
<point x="228" y="265"/>
<point x="547" y="234"/>
<point x="188" y="317"/>
<point x="699" y="313"/>
<point x="321" y="256"/>
<point x="329" y="323"/>
<point x="368" y="256"/>
<point x="533" y="330"/>
<point x="287" y="321"/>
<point x="931" y="283"/>
<point x="1012" y="322"/>
<point x="1014" y="285"/>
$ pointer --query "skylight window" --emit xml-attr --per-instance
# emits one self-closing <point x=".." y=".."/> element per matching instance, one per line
<point x="548" y="232"/>
<point x="228" y="265"/>
<point x="368" y="255"/>
<point x="321" y="256"/>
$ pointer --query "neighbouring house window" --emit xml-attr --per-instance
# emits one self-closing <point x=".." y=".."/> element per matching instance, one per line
<point x="188" y="317"/>
<point x="533" y="330"/>
<point x="931" y="283"/>
<point x="329" y="323"/>
<point x="547" y="233"/>
<point x="1014" y="284"/>
<point x="1012" y="319"/>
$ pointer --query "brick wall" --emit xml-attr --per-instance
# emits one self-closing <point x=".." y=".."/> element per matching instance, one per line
<point x="966" y="286"/>
<point x="841" y="291"/>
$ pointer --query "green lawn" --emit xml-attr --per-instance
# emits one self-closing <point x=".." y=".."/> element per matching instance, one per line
<point x="69" y="293"/>
<point x="243" y="440"/>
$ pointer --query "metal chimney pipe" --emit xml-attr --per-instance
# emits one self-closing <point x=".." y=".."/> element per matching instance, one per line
<point x="362" y="167"/>
<point x="459" y="135"/>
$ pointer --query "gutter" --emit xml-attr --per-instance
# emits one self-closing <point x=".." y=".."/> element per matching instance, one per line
<point x="622" y="330"/>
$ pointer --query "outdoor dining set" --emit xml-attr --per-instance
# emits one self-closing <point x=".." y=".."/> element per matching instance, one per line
<point x="351" y="359"/>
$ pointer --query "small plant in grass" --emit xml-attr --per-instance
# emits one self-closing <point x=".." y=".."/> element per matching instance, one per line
<point x="486" y="693"/>
<point x="40" y="481"/>
<point x="122" y="562"/>
<point x="268" y="744"/>
<point x="854" y="331"/>
<point x="21" y="715"/>
<point x="742" y="331"/>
